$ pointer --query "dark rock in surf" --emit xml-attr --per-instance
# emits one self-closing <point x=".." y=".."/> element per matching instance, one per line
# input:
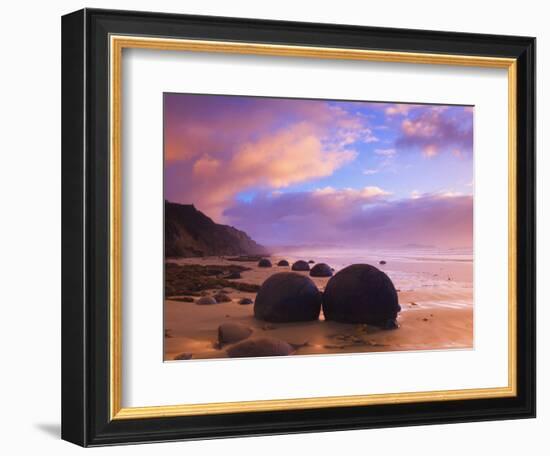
<point x="286" y="297"/>
<point x="300" y="265"/>
<point x="321" y="270"/>
<point x="283" y="263"/>
<point x="264" y="263"/>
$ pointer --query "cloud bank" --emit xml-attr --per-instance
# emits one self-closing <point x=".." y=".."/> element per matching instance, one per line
<point x="350" y="217"/>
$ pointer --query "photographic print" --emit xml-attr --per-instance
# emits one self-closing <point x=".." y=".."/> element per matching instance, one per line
<point x="310" y="226"/>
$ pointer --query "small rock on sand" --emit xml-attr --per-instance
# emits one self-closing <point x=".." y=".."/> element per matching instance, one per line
<point x="262" y="346"/>
<point x="222" y="297"/>
<point x="246" y="301"/>
<point x="264" y="263"/>
<point x="311" y="262"/>
<point x="184" y="299"/>
<point x="283" y="263"/>
<point x="390" y="324"/>
<point x="382" y="262"/>
<point x="233" y="275"/>
<point x="183" y="356"/>
<point x="206" y="301"/>
<point x="300" y="265"/>
<point x="229" y="333"/>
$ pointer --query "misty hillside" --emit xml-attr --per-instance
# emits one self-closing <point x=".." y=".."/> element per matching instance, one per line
<point x="190" y="233"/>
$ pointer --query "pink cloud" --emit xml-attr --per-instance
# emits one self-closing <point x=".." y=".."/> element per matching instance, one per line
<point x="399" y="109"/>
<point x="434" y="130"/>
<point x="292" y="155"/>
<point x="206" y="166"/>
<point x="216" y="147"/>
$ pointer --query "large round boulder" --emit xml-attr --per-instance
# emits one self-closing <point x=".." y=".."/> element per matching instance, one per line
<point x="361" y="293"/>
<point x="288" y="296"/>
<point x="321" y="270"/>
<point x="300" y="265"/>
<point x="264" y="263"/>
<point x="262" y="346"/>
<point x="283" y="263"/>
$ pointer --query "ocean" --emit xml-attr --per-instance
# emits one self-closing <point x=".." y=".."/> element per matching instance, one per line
<point x="445" y="276"/>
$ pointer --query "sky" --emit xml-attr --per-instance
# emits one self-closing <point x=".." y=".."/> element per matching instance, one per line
<point x="323" y="172"/>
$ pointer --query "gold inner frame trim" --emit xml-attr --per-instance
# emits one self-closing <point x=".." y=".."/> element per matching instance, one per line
<point x="116" y="46"/>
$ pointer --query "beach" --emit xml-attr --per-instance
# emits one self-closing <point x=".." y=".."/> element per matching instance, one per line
<point x="435" y="291"/>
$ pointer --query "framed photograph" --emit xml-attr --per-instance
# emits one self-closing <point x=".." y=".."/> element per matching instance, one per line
<point x="279" y="227"/>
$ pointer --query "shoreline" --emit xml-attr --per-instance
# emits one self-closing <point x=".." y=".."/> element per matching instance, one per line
<point x="436" y="314"/>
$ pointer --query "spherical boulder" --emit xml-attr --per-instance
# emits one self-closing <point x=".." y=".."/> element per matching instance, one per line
<point x="206" y="301"/>
<point x="300" y="265"/>
<point x="229" y="333"/>
<point x="286" y="297"/>
<point x="321" y="270"/>
<point x="311" y="262"/>
<point x="262" y="346"/>
<point x="283" y="263"/>
<point x="382" y="262"/>
<point x="264" y="263"/>
<point x="361" y="293"/>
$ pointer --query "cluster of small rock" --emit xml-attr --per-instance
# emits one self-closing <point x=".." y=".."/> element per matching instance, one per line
<point x="241" y="342"/>
<point x="358" y="294"/>
<point x="319" y="270"/>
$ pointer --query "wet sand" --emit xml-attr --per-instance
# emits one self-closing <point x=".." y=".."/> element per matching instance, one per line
<point x="436" y="298"/>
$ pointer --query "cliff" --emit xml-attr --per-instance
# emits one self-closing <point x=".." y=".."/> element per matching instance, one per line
<point x="190" y="233"/>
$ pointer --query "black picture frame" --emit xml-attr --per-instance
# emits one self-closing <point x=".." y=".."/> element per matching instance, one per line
<point x="85" y="225"/>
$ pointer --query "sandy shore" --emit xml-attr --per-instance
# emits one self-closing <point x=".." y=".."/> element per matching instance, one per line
<point x="437" y="313"/>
